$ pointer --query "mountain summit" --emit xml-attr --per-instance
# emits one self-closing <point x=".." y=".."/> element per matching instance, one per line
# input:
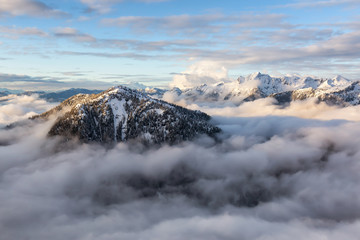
<point x="120" y="114"/>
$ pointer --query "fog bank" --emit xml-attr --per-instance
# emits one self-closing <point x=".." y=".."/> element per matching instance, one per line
<point x="270" y="177"/>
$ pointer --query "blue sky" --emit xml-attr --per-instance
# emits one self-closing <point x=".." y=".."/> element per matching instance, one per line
<point x="99" y="43"/>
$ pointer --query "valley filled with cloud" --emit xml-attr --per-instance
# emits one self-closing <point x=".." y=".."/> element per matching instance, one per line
<point x="286" y="175"/>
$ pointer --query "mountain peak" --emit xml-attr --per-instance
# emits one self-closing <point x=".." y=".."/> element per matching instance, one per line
<point x="338" y="82"/>
<point x="258" y="76"/>
<point x="121" y="114"/>
<point x="341" y="78"/>
<point x="254" y="75"/>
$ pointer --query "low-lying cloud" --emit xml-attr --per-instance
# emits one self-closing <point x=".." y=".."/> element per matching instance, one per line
<point x="309" y="108"/>
<point x="267" y="177"/>
<point x="16" y="108"/>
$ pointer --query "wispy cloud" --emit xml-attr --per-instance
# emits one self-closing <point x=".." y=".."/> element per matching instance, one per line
<point x="170" y="24"/>
<point x="343" y="46"/>
<point x="262" y="42"/>
<point x="252" y="21"/>
<point x="16" y="32"/>
<point x="104" y="6"/>
<point x="74" y="73"/>
<point x="196" y="25"/>
<point x="334" y="53"/>
<point x="327" y="3"/>
<point x="27" y="7"/>
<point x="126" y="44"/>
<point x="78" y="79"/>
<point x="163" y="45"/>
<point x="234" y="40"/>
<point x="73" y="33"/>
<point x="108" y="55"/>
<point x="35" y="83"/>
<point x="4" y="78"/>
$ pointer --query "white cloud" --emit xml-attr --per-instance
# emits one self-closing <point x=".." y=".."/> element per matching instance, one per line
<point x="268" y="178"/>
<point x="308" y="109"/>
<point x="204" y="72"/>
<point x="15" y="108"/>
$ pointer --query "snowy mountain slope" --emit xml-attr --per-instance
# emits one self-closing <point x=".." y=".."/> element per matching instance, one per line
<point x="337" y="90"/>
<point x="336" y="83"/>
<point x="120" y="114"/>
<point x="335" y="95"/>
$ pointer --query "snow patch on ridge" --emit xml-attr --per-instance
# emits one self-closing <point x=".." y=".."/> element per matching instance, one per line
<point x="120" y="115"/>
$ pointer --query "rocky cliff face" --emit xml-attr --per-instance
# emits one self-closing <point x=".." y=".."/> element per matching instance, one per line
<point x="120" y="114"/>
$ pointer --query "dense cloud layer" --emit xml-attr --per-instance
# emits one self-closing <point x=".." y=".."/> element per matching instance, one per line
<point x="15" y="108"/>
<point x="205" y="72"/>
<point x="309" y="108"/>
<point x="269" y="177"/>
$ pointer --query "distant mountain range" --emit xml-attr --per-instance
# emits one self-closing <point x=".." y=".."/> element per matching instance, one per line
<point x="333" y="91"/>
<point x="337" y="90"/>
<point x="57" y="96"/>
<point x="122" y="114"/>
<point x="60" y="96"/>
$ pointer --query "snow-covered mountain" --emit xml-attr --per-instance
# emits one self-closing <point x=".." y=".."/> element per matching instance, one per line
<point x="334" y="91"/>
<point x="120" y="114"/>
<point x="337" y="90"/>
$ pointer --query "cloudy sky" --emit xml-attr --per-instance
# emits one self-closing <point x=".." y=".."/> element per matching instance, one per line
<point x="99" y="43"/>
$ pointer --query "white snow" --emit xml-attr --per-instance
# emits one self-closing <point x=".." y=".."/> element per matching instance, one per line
<point x="159" y="111"/>
<point x="120" y="115"/>
<point x="243" y="87"/>
<point x="336" y="83"/>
